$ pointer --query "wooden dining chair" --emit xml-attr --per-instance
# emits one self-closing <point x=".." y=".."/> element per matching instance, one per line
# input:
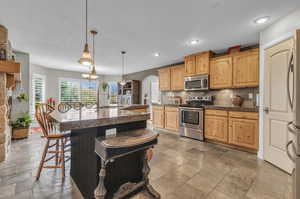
<point x="64" y="107"/>
<point x="54" y="138"/>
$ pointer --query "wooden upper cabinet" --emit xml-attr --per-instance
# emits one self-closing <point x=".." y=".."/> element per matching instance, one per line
<point x="246" y="69"/>
<point x="165" y="79"/>
<point x="197" y="64"/>
<point x="202" y="63"/>
<point x="177" y="78"/>
<point x="221" y="72"/>
<point x="190" y="65"/>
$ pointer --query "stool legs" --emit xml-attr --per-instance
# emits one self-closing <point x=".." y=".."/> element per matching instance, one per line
<point x="57" y="152"/>
<point x="101" y="191"/>
<point x="42" y="160"/>
<point x="148" y="187"/>
<point x="63" y="159"/>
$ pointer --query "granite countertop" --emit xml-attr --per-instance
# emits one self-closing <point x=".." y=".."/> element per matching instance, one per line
<point x="126" y="107"/>
<point x="232" y="108"/>
<point x="174" y="105"/>
<point x="135" y="106"/>
<point x="88" y="118"/>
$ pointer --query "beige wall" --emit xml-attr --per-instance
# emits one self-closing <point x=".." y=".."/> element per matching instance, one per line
<point x="281" y="28"/>
<point x="53" y="76"/>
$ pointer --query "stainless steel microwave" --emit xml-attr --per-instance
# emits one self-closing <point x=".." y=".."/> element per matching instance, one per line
<point x="196" y="83"/>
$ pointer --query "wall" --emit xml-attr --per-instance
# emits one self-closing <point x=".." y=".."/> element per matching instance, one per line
<point x="142" y="75"/>
<point x="53" y="76"/>
<point x="19" y="108"/>
<point x="272" y="35"/>
<point x="280" y="28"/>
<point x="221" y="97"/>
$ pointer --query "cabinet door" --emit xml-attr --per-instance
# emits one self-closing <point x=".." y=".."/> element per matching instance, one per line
<point x="177" y="78"/>
<point x="172" y="118"/>
<point x="246" y="69"/>
<point x="216" y="128"/>
<point x="190" y="65"/>
<point x="209" y="129"/>
<point x="165" y="79"/>
<point x="158" y="117"/>
<point x="221" y="73"/>
<point x="243" y="132"/>
<point x="202" y="63"/>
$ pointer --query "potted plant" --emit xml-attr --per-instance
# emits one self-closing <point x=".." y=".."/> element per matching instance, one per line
<point x="23" y="97"/>
<point x="104" y="86"/>
<point x="21" y="127"/>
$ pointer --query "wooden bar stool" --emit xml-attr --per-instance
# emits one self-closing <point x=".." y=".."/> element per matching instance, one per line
<point x="123" y="144"/>
<point x="54" y="138"/>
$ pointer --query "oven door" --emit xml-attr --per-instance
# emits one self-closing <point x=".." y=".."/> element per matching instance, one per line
<point x="191" y="118"/>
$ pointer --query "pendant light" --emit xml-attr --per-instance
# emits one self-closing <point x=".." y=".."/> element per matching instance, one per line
<point x="86" y="55"/>
<point x="93" y="75"/>
<point x="123" y="82"/>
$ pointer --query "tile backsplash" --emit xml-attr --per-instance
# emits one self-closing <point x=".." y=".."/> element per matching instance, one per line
<point x="221" y="97"/>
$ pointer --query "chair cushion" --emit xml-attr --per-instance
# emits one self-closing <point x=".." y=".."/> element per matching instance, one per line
<point x="125" y="142"/>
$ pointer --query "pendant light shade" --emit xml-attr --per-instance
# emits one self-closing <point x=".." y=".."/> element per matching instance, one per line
<point x="93" y="75"/>
<point x="123" y="82"/>
<point x="86" y="58"/>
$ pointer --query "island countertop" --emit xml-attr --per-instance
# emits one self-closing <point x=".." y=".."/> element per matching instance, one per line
<point x="88" y="118"/>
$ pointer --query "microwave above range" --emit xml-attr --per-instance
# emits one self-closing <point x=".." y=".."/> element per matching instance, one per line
<point x="196" y="83"/>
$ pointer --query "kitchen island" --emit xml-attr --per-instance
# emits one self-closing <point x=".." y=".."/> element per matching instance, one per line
<point x="86" y="125"/>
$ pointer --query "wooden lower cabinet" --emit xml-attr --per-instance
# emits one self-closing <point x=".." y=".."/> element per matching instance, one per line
<point x="243" y="132"/>
<point x="216" y="128"/>
<point x="171" y="118"/>
<point x="234" y="128"/>
<point x="158" y="116"/>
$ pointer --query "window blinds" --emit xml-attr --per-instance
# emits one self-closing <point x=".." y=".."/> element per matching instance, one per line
<point x="38" y="91"/>
<point x="72" y="91"/>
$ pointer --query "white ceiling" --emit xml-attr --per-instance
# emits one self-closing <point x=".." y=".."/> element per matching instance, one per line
<point x="52" y="30"/>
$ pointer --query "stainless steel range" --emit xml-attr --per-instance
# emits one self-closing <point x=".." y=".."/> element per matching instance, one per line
<point x="191" y="117"/>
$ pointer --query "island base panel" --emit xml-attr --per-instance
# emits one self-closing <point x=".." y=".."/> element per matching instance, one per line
<point x="85" y="163"/>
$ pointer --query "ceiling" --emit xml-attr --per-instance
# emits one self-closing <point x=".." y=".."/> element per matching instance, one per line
<point x="52" y="30"/>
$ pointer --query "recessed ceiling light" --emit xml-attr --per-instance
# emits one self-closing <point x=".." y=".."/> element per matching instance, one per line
<point x="262" y="20"/>
<point x="156" y="54"/>
<point x="194" y="42"/>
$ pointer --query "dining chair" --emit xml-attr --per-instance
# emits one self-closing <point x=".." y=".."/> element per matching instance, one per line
<point x="64" y="107"/>
<point x="54" y="138"/>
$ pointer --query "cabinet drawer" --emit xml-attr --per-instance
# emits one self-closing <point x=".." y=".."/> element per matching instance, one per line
<point x="216" y="113"/>
<point x="243" y="115"/>
<point x="157" y="107"/>
<point x="171" y="109"/>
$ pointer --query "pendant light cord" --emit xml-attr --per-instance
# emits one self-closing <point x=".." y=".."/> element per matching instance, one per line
<point x="94" y="52"/>
<point x="86" y="21"/>
<point x="123" y="54"/>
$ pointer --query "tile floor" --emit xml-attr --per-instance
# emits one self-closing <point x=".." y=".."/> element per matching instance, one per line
<point x="181" y="169"/>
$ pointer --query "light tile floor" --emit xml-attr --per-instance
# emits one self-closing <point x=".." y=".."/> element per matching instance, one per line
<point x="181" y="169"/>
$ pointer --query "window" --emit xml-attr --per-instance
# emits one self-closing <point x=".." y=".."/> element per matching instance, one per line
<point x="75" y="90"/>
<point x="113" y="90"/>
<point x="38" y="91"/>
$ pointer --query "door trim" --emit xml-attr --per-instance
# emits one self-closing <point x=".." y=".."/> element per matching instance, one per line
<point x="284" y="37"/>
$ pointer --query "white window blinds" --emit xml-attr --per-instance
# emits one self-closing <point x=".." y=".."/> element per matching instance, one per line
<point x="72" y="90"/>
<point x="38" y="91"/>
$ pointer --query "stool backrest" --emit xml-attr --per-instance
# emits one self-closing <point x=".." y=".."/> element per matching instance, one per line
<point x="42" y="115"/>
